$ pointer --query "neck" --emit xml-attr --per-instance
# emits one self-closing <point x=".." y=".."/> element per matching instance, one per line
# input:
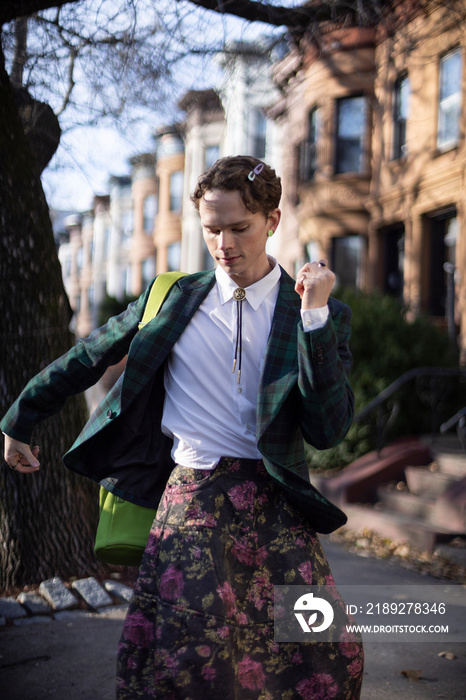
<point x="248" y="280"/>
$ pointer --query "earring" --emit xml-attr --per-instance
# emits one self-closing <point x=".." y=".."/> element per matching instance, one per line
<point x="270" y="232"/>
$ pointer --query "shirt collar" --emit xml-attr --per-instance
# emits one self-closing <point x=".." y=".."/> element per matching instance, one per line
<point x="255" y="293"/>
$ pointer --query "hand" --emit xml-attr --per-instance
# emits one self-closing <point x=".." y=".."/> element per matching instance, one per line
<point x="314" y="284"/>
<point x="20" y="457"/>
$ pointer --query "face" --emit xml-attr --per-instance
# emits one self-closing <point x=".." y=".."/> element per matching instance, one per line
<point x="235" y="236"/>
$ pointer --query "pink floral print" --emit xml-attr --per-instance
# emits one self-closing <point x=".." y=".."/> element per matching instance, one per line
<point x="200" y="624"/>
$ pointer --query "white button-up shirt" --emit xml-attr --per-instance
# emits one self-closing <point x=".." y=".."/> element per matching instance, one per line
<point x="207" y="412"/>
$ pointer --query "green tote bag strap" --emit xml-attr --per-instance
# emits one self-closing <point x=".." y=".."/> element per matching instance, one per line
<point x="123" y="527"/>
<point x="162" y="285"/>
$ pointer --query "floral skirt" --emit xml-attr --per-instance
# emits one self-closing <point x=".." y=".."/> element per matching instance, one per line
<point x="200" y="624"/>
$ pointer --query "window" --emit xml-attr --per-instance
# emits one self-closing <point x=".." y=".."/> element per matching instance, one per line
<point x="400" y="115"/>
<point x="176" y="191"/>
<point x="351" y="123"/>
<point x="313" y="252"/>
<point x="106" y="241"/>
<point x="260" y="131"/>
<point x="211" y="156"/>
<point x="127" y="223"/>
<point x="449" y="107"/>
<point x="174" y="256"/>
<point x="147" y="271"/>
<point x="347" y="258"/>
<point x="66" y="265"/>
<point x="128" y="279"/>
<point x="308" y="150"/>
<point x="149" y="213"/>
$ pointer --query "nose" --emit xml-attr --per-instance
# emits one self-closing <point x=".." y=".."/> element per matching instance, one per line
<point x="224" y="241"/>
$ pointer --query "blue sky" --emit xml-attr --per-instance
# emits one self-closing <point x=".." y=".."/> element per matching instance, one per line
<point x="88" y="156"/>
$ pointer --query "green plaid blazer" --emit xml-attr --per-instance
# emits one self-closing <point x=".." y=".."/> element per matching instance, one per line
<point x="304" y="394"/>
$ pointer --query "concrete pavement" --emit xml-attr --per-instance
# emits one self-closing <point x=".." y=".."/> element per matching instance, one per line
<point x="437" y="676"/>
<point x="73" y="658"/>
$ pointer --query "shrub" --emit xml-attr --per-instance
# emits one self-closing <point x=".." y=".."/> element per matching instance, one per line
<point x="384" y="345"/>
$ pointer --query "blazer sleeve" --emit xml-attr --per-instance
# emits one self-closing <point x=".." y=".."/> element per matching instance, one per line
<point x="73" y="372"/>
<point x="324" y="360"/>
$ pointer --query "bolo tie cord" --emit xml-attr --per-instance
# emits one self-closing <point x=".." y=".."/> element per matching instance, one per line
<point x="239" y="294"/>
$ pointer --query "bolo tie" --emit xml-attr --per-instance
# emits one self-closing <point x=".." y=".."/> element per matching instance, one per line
<point x="240" y="295"/>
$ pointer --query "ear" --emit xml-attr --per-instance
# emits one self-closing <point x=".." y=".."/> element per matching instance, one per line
<point x="273" y="219"/>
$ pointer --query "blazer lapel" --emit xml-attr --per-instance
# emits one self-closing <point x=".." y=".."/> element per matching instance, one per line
<point x="152" y="343"/>
<point x="281" y="361"/>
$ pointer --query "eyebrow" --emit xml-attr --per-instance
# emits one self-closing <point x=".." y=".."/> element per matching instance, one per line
<point x="235" y="223"/>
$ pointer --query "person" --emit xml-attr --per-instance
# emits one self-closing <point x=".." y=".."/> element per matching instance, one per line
<point x="220" y="390"/>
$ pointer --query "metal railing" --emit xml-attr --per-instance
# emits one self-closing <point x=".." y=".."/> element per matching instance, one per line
<point x="459" y="419"/>
<point x="432" y="386"/>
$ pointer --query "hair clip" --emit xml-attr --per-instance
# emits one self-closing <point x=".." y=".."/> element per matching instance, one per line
<point x="257" y="171"/>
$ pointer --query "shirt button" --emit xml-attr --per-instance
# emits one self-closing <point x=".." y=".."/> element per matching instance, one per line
<point x="239" y="390"/>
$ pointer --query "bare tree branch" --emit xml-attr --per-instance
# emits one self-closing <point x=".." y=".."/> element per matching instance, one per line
<point x="11" y="9"/>
<point x="296" y="18"/>
<point x="71" y="83"/>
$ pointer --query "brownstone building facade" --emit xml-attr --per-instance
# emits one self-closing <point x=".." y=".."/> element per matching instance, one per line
<point x="374" y="169"/>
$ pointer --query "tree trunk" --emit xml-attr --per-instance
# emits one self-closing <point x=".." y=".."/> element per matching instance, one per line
<point x="48" y="519"/>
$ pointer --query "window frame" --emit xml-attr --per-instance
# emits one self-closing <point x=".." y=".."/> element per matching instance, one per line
<point x="362" y="140"/>
<point x="307" y="153"/>
<point x="149" y="207"/>
<point x="399" y="120"/>
<point x="176" y="200"/>
<point x="451" y="102"/>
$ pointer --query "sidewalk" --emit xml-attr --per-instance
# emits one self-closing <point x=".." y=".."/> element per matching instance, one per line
<point x="437" y="676"/>
<point x="73" y="658"/>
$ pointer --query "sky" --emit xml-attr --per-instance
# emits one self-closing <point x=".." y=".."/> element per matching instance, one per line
<point x="88" y="156"/>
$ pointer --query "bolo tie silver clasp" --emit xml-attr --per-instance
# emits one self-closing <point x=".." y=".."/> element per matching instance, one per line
<point x="239" y="294"/>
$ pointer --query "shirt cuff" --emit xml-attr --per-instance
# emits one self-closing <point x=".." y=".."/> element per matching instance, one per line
<point x="314" y="318"/>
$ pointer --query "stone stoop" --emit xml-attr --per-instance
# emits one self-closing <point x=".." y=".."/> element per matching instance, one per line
<point x="411" y="492"/>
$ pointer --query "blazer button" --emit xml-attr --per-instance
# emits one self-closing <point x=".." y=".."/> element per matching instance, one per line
<point x="111" y="414"/>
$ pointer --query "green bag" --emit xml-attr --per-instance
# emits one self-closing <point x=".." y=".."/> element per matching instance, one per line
<point x="123" y="526"/>
<point x="122" y="531"/>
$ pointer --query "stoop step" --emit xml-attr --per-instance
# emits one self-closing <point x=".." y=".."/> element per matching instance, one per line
<point x="426" y="483"/>
<point x="398" y="526"/>
<point x="451" y="463"/>
<point x="406" y="503"/>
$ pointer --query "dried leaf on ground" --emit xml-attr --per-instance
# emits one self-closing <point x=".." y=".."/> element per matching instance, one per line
<point x="412" y="674"/>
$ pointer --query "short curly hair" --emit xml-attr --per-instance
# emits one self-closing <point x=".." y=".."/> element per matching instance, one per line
<point x="262" y="193"/>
